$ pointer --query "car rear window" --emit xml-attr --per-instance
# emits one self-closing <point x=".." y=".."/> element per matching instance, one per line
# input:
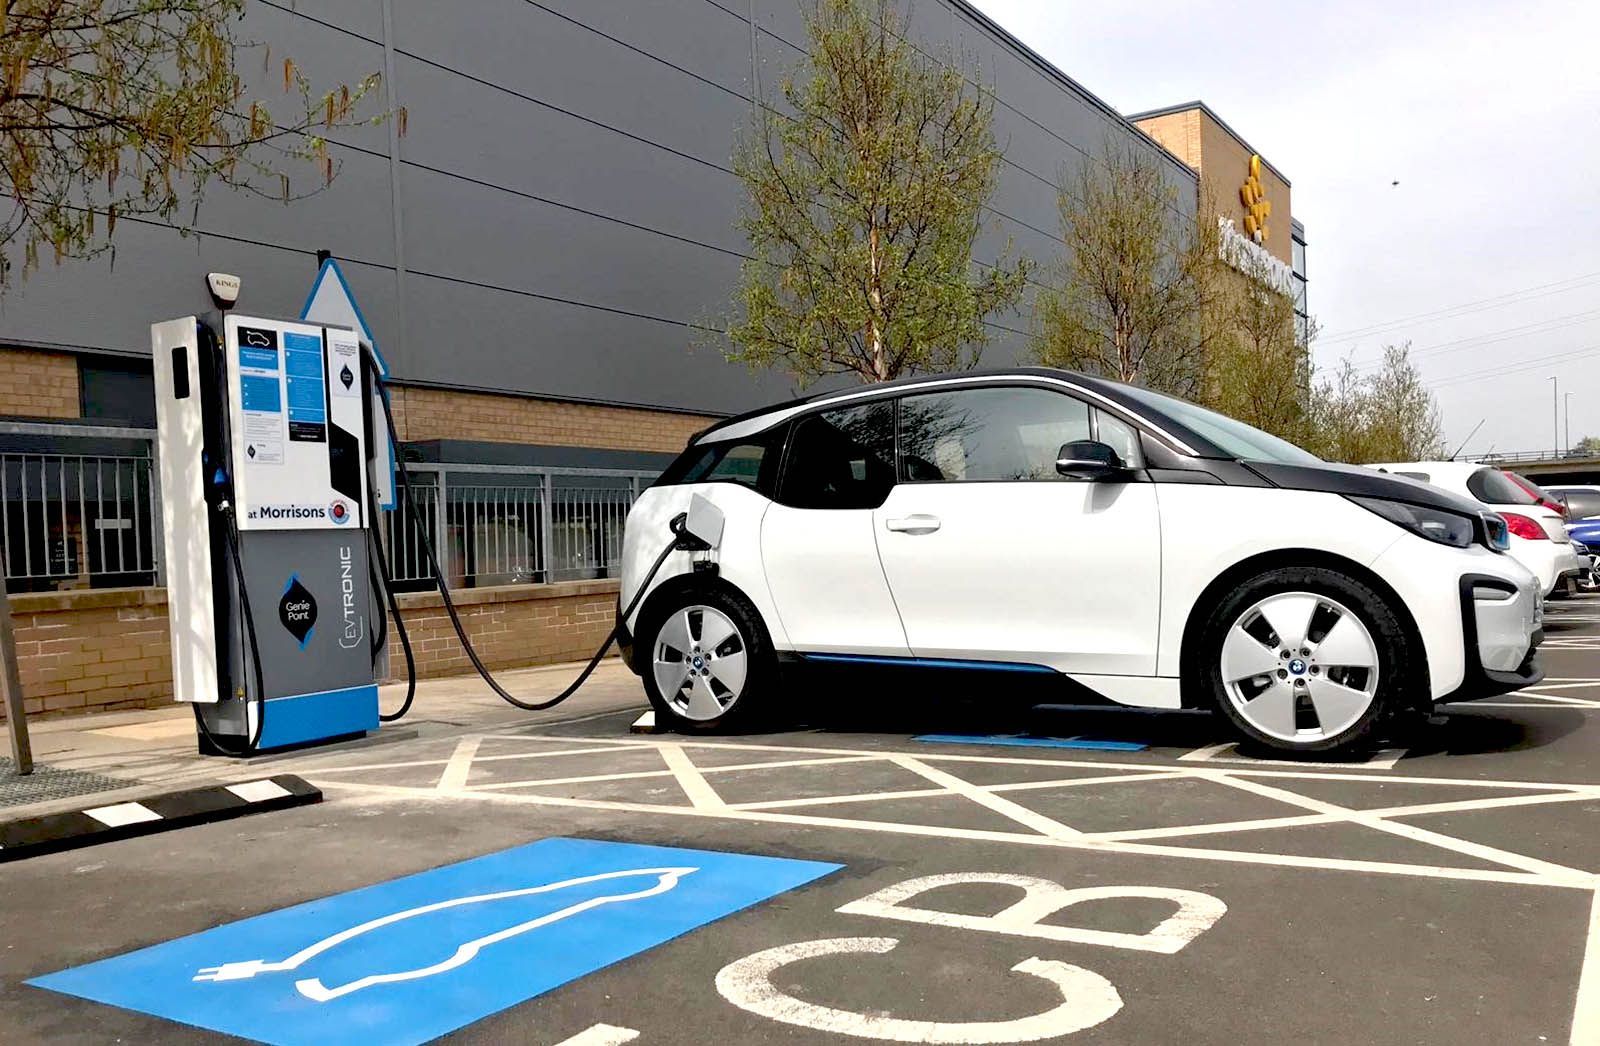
<point x="1493" y="487"/>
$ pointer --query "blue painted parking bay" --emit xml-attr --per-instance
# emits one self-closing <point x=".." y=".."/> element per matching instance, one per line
<point x="411" y="959"/>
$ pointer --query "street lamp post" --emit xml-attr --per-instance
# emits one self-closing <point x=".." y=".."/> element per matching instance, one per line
<point x="1566" y="421"/>
<point x="1555" y="413"/>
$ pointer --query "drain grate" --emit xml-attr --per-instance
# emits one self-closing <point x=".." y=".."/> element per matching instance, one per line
<point x="48" y="782"/>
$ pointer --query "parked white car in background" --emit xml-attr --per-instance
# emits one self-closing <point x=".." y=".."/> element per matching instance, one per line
<point x="1040" y="521"/>
<point x="1539" y="539"/>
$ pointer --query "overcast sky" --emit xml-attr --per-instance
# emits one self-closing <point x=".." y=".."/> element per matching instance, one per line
<point x="1486" y="113"/>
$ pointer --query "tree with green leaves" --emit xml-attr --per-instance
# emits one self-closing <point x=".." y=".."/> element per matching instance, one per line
<point x="1258" y="370"/>
<point x="1386" y="415"/>
<point x="115" y="109"/>
<point x="865" y="192"/>
<point x="1134" y="297"/>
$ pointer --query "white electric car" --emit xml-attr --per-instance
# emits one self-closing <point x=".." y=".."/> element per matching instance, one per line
<point x="1538" y="535"/>
<point x="1041" y="521"/>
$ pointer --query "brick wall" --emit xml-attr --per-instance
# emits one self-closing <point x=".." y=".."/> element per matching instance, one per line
<point x="511" y="626"/>
<point x="38" y="384"/>
<point x="422" y="414"/>
<point x="92" y="651"/>
<point x="107" y="649"/>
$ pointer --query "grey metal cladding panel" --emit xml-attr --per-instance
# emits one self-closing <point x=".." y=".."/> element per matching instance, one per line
<point x="469" y="336"/>
<point x="474" y="131"/>
<point x="364" y="17"/>
<point x="690" y="34"/>
<point x="350" y="217"/>
<point x="530" y="51"/>
<point x="783" y="19"/>
<point x="326" y="56"/>
<point x="464" y="231"/>
<point x="156" y="274"/>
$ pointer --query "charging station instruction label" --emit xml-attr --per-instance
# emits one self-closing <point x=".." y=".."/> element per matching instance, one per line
<point x="307" y="386"/>
<point x="261" y="396"/>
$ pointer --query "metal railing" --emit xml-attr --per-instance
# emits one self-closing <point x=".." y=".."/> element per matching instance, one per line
<point x="78" y="520"/>
<point x="506" y="524"/>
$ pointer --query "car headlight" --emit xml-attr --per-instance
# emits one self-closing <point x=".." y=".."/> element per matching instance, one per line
<point x="1447" y="528"/>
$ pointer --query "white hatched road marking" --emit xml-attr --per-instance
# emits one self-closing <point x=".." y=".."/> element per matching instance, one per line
<point x="703" y="800"/>
<point x="601" y="1035"/>
<point x="694" y="784"/>
<point x="456" y="771"/>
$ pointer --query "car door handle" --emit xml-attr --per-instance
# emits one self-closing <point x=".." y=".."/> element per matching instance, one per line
<point x="918" y="524"/>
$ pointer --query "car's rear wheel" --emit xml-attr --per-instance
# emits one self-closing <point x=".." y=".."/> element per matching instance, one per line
<point x="1309" y="660"/>
<point x="710" y="660"/>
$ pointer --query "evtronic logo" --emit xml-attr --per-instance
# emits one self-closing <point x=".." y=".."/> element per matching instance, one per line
<point x="351" y="636"/>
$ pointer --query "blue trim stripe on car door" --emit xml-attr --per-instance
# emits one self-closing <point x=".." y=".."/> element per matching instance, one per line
<point x="929" y="662"/>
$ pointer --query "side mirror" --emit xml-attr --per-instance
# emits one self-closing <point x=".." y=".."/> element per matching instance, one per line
<point x="1089" y="459"/>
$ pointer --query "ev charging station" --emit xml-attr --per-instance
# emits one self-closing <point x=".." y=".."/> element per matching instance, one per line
<point x="265" y="439"/>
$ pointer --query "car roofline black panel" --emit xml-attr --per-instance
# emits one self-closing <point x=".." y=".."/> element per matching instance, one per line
<point x="1132" y="409"/>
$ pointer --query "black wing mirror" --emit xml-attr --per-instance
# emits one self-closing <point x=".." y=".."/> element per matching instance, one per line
<point x="1089" y="459"/>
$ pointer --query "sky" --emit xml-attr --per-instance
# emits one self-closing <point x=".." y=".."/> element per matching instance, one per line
<point x="1485" y="256"/>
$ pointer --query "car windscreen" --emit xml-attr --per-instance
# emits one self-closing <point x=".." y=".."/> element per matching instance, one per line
<point x="1493" y="487"/>
<point x="1235" y="437"/>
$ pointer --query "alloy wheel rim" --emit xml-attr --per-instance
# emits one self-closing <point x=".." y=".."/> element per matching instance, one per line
<point x="700" y="662"/>
<point x="1300" y="667"/>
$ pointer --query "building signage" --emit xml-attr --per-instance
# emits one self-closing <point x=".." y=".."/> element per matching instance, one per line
<point x="1257" y="208"/>
<point x="1252" y="259"/>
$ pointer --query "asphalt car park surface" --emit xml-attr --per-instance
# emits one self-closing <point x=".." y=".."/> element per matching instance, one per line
<point x="966" y="879"/>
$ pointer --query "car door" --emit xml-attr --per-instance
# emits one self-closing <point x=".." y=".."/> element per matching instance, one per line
<point x="817" y="544"/>
<point x="992" y="555"/>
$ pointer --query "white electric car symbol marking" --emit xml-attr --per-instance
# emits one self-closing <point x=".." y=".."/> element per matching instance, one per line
<point x="257" y="339"/>
<point x="313" y="988"/>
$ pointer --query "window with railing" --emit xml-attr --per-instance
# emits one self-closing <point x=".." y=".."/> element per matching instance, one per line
<point x="500" y="525"/>
<point x="77" y="520"/>
<point x="70" y="520"/>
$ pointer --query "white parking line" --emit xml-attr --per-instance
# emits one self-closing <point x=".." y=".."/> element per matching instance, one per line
<point x="694" y="784"/>
<point x="1586" y="1012"/>
<point x="1004" y="807"/>
<point x="601" y="1035"/>
<point x="1383" y="759"/>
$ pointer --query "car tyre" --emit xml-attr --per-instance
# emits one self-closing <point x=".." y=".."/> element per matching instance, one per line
<point x="708" y="663"/>
<point x="1308" y="659"/>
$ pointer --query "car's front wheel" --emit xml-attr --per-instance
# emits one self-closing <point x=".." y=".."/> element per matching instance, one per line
<point x="710" y="661"/>
<point x="1309" y="660"/>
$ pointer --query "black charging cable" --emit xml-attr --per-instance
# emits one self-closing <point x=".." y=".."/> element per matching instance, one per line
<point x="680" y="540"/>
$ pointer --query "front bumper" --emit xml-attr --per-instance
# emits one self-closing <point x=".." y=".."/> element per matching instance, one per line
<point x="1502" y="625"/>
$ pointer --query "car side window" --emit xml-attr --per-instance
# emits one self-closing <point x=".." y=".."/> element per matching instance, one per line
<point x="841" y="459"/>
<point x="988" y="434"/>
<point x="1119" y="436"/>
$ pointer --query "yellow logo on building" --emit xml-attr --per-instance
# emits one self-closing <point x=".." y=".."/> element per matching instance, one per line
<point x="1257" y="208"/>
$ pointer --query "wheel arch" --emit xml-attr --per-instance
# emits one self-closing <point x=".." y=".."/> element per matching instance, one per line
<point x="679" y="585"/>
<point x="1194" y="695"/>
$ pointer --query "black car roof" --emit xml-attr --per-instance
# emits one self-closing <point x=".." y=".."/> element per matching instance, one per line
<point x="1115" y="391"/>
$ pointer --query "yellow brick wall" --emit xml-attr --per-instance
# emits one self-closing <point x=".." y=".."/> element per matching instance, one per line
<point x="422" y="414"/>
<point x="1224" y="164"/>
<point x="1178" y="133"/>
<point x="107" y="650"/>
<point x="511" y="626"/>
<point x="92" y="651"/>
<point x="38" y="384"/>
